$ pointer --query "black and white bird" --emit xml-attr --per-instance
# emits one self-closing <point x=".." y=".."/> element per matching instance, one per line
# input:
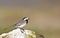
<point x="22" y="23"/>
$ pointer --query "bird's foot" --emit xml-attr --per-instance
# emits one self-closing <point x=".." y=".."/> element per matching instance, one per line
<point x="22" y="30"/>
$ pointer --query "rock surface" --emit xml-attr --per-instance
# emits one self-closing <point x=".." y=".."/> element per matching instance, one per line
<point x="18" y="34"/>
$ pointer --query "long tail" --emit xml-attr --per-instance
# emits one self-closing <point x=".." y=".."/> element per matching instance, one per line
<point x="10" y="26"/>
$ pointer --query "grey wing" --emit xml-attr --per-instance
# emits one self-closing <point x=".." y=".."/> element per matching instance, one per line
<point x="20" y="23"/>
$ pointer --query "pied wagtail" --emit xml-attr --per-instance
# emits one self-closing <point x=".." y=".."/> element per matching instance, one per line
<point x="21" y="23"/>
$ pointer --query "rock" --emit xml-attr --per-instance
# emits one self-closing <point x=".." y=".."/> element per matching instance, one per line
<point x="18" y="34"/>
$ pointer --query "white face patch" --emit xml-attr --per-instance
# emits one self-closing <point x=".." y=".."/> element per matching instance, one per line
<point x="26" y="18"/>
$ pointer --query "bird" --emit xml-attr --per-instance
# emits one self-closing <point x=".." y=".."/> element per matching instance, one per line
<point x="20" y="24"/>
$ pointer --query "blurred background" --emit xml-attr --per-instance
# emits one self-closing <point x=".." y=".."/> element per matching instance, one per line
<point x="44" y="16"/>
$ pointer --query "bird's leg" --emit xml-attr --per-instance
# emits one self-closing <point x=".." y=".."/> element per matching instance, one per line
<point x="22" y="30"/>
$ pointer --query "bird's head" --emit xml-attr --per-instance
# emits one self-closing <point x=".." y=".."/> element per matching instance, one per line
<point x="25" y="18"/>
